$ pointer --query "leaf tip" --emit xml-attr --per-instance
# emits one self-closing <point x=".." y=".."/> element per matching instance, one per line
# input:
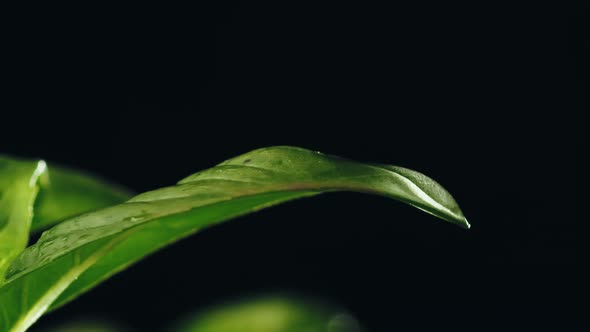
<point x="465" y="224"/>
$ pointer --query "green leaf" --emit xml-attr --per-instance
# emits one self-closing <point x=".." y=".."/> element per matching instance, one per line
<point x="70" y="192"/>
<point x="78" y="253"/>
<point x="18" y="189"/>
<point x="272" y="314"/>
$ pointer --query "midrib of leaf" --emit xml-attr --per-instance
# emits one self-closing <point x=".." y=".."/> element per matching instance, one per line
<point x="41" y="305"/>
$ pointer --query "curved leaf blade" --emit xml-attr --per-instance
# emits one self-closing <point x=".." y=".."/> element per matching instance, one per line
<point x="78" y="253"/>
<point x="18" y="189"/>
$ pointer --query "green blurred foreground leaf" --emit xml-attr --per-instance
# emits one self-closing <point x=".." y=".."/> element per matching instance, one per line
<point x="272" y="314"/>
<point x="78" y="253"/>
<point x="18" y="189"/>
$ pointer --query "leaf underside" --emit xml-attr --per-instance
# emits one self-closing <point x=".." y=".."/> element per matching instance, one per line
<point x="78" y="253"/>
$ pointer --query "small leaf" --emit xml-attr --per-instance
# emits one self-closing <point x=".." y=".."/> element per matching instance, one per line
<point x="272" y="314"/>
<point x="80" y="252"/>
<point x="18" y="189"/>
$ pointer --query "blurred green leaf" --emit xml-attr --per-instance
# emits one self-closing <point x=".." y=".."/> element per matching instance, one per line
<point x="272" y="314"/>
<point x="18" y="189"/>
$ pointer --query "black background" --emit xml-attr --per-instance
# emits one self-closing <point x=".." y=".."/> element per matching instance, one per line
<point x="487" y="100"/>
